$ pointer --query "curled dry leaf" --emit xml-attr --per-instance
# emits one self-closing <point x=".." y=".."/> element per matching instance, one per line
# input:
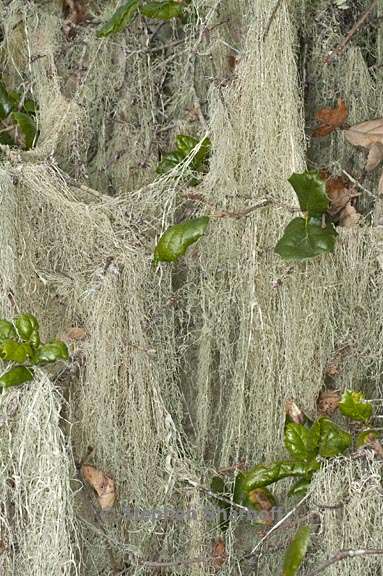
<point x="76" y="14"/>
<point x="330" y="119"/>
<point x="294" y="413"/>
<point x="341" y="194"/>
<point x="368" y="135"/>
<point x="102" y="484"/>
<point x="328" y="402"/>
<point x="219" y="553"/>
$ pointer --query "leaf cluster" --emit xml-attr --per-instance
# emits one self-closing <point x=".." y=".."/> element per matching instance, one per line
<point x="312" y="234"/>
<point x="123" y="16"/>
<point x="184" y="148"/>
<point x="21" y="349"/>
<point x="17" y="116"/>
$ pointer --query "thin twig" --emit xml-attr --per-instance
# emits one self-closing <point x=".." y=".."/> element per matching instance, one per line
<point x="358" y="184"/>
<point x="181" y="562"/>
<point x="272" y="17"/>
<point x="339" y="50"/>
<point x="343" y="555"/>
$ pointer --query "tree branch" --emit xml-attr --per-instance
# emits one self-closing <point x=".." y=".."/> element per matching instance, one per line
<point x="339" y="50"/>
<point x="343" y="555"/>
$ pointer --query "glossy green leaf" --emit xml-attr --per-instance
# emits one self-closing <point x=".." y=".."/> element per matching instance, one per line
<point x="264" y="474"/>
<point x="169" y="162"/>
<point x="300" y="487"/>
<point x="12" y="351"/>
<point x="302" y="442"/>
<point x="6" y="102"/>
<point x="176" y="240"/>
<point x="15" y="376"/>
<point x="51" y="352"/>
<point x="120" y="19"/>
<point x="305" y="239"/>
<point x="26" y="324"/>
<point x="185" y="144"/>
<point x="7" y="330"/>
<point x="333" y="439"/>
<point x="311" y="192"/>
<point x="27" y="126"/>
<point x="296" y="551"/>
<point x="365" y="437"/>
<point x="354" y="406"/>
<point x="162" y="10"/>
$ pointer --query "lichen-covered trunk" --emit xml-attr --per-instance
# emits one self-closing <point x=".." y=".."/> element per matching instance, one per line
<point x="181" y="369"/>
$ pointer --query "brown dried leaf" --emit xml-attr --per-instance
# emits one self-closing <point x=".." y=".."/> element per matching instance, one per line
<point x="330" y="119"/>
<point x="294" y="412"/>
<point x="368" y="135"/>
<point x="259" y="497"/>
<point x="76" y="333"/>
<point x="339" y="193"/>
<point x="102" y="484"/>
<point x="219" y="553"/>
<point x="375" y="156"/>
<point x="328" y="402"/>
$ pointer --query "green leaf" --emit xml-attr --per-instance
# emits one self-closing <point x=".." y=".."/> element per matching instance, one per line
<point x="185" y="144"/>
<point x="120" y="19"/>
<point x="305" y="239"/>
<point x="311" y="192"/>
<point x="29" y="106"/>
<point x="7" y="330"/>
<point x="26" y="324"/>
<point x="15" y="376"/>
<point x="302" y="442"/>
<point x="333" y="439"/>
<point x="354" y="406"/>
<point x="365" y="437"/>
<point x="264" y="474"/>
<point x="15" y="352"/>
<point x="176" y="240"/>
<point x="162" y="10"/>
<point x="300" y="487"/>
<point x="27" y="126"/>
<point x="51" y="352"/>
<point x="296" y="551"/>
<point x="169" y="162"/>
<point x="5" y="138"/>
<point x="6" y="102"/>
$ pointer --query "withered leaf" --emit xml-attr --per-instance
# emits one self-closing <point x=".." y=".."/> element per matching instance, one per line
<point x="219" y="553"/>
<point x="341" y="194"/>
<point x="376" y="446"/>
<point x="76" y="12"/>
<point x="328" y="402"/>
<point x="368" y="135"/>
<point x="102" y="484"/>
<point x="76" y="333"/>
<point x="330" y="118"/>
<point x="294" y="413"/>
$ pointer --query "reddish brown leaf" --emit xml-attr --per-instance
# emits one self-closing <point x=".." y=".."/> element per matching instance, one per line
<point x="101" y="483"/>
<point x="330" y="118"/>
<point x="376" y="446"/>
<point x="219" y="553"/>
<point x="341" y="193"/>
<point x="328" y="402"/>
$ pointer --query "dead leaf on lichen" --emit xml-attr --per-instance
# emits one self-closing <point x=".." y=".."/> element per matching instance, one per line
<point x="328" y="402"/>
<point x="368" y="135"/>
<point x="219" y="553"/>
<point x="101" y="483"/>
<point x="76" y="333"/>
<point x="330" y="119"/>
<point x="341" y="194"/>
